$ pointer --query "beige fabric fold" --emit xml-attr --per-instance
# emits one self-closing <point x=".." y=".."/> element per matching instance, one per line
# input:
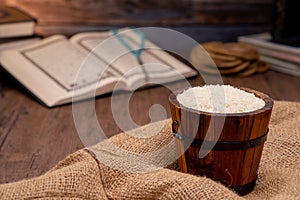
<point x="140" y="165"/>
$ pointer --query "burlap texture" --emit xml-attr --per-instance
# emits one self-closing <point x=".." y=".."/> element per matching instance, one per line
<point x="132" y="168"/>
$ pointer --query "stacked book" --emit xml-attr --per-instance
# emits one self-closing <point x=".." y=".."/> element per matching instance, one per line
<point x="282" y="58"/>
<point x="16" y="28"/>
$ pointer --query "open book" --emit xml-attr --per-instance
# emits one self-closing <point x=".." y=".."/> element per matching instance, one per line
<point x="90" y="64"/>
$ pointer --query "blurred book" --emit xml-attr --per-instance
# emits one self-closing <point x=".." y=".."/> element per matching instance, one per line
<point x="15" y="23"/>
<point x="16" y="43"/>
<point x="55" y="67"/>
<point x="282" y="58"/>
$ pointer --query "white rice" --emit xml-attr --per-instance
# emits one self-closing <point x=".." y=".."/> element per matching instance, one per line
<point x="220" y="99"/>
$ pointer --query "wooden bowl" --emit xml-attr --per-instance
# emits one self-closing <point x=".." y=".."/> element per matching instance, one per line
<point x="233" y="151"/>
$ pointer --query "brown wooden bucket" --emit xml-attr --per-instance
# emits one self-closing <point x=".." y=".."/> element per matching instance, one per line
<point x="235" y="157"/>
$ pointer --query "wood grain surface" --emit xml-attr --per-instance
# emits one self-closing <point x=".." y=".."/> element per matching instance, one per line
<point x="148" y="12"/>
<point x="234" y="167"/>
<point x="203" y="20"/>
<point x="33" y="138"/>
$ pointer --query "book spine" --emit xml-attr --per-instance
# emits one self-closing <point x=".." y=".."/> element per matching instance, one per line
<point x="281" y="65"/>
<point x="292" y="58"/>
<point x="285" y="70"/>
<point x="261" y="43"/>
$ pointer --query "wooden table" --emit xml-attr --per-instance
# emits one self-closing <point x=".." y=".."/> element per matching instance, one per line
<point x="34" y="138"/>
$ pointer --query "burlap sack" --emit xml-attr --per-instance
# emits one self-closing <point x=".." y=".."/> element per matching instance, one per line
<point x="130" y="166"/>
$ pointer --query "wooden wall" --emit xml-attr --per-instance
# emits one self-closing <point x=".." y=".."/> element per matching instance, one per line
<point x="62" y="15"/>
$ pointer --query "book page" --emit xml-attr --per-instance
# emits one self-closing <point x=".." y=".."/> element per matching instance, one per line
<point x="62" y="61"/>
<point x="157" y="65"/>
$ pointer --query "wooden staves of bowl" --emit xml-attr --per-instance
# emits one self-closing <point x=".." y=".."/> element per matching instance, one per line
<point x="235" y="157"/>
